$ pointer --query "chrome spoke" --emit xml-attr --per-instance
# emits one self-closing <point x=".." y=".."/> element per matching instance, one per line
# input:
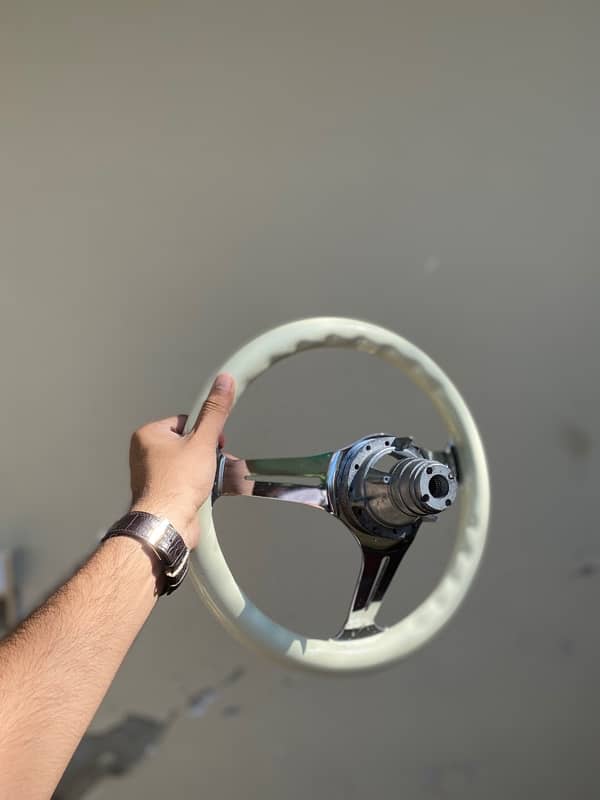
<point x="298" y="467"/>
<point x="307" y="495"/>
<point x="270" y="478"/>
<point x="377" y="571"/>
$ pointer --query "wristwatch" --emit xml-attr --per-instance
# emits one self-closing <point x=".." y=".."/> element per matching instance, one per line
<point x="160" y="536"/>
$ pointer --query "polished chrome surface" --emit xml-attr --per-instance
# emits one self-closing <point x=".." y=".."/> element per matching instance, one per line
<point x="270" y="478"/>
<point x="159" y="535"/>
<point x="378" y="567"/>
<point x="381" y="487"/>
<point x="386" y="482"/>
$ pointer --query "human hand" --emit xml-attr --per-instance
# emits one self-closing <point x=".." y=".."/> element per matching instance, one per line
<point x="172" y="474"/>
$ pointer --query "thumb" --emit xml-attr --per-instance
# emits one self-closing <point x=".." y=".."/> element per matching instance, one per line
<point x="215" y="409"/>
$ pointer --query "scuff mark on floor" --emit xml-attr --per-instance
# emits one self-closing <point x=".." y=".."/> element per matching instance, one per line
<point x="231" y="711"/>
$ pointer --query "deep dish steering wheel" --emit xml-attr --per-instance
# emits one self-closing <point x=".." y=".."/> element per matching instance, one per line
<point x="382" y="487"/>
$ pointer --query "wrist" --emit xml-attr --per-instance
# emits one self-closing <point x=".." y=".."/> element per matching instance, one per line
<point x="140" y="563"/>
<point x="156" y="533"/>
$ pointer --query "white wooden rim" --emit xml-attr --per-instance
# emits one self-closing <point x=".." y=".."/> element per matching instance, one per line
<point x="210" y="572"/>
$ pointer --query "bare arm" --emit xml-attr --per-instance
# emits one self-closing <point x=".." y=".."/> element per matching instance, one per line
<point x="56" y="667"/>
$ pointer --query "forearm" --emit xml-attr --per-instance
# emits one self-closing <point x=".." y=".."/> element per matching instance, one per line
<point x="57" y="666"/>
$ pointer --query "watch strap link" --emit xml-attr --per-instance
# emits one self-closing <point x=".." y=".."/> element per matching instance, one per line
<point x="160" y="536"/>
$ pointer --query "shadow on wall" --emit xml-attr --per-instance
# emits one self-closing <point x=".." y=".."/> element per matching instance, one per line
<point x="112" y="753"/>
<point x="116" y="751"/>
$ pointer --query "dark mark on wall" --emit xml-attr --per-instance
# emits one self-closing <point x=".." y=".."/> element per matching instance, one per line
<point x="587" y="569"/>
<point x="575" y="440"/>
<point x="199" y="703"/>
<point x="114" y="752"/>
<point x="119" y="749"/>
<point x="234" y="676"/>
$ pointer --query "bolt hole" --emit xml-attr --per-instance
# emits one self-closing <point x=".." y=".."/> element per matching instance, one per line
<point x="425" y="498"/>
<point x="368" y="447"/>
<point x="356" y="466"/>
<point x="429" y="470"/>
<point x="448" y="502"/>
<point x="387" y="443"/>
<point x="439" y="486"/>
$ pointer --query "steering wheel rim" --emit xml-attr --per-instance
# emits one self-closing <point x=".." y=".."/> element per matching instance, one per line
<point x="209" y="569"/>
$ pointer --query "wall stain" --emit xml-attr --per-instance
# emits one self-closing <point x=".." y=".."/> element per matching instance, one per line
<point x="576" y="441"/>
<point x="234" y="676"/>
<point x="120" y="748"/>
<point x="587" y="569"/>
<point x="113" y="752"/>
<point x="199" y="703"/>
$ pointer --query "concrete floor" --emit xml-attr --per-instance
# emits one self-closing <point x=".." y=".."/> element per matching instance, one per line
<point x="178" y="177"/>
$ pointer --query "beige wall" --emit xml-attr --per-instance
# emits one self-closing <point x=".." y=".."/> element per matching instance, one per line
<point x="178" y="176"/>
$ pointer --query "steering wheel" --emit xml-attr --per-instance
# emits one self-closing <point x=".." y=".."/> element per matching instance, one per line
<point x="381" y="487"/>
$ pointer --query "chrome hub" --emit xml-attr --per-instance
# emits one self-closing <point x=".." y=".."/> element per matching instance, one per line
<point x="382" y="487"/>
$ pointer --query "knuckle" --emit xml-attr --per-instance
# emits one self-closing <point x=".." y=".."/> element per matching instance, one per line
<point x="213" y="405"/>
<point x="139" y="436"/>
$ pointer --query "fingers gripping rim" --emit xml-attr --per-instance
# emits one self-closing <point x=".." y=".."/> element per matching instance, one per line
<point x="209" y="569"/>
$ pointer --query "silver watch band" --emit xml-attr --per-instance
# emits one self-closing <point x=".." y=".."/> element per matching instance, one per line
<point x="162" y="538"/>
